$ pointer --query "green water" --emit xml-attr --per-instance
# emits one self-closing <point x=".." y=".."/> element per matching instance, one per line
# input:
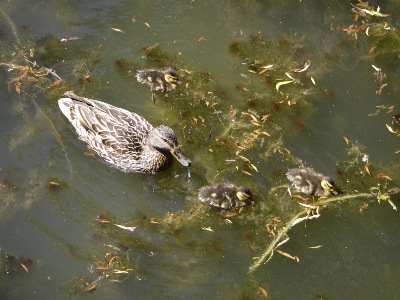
<point x="180" y="249"/>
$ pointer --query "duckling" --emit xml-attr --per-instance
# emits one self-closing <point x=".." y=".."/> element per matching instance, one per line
<point x="122" y="138"/>
<point x="225" y="195"/>
<point x="158" y="80"/>
<point x="311" y="183"/>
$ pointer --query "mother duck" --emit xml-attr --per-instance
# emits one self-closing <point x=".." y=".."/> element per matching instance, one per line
<point x="122" y="138"/>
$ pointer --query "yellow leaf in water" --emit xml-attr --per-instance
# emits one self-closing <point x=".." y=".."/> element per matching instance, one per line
<point x="306" y="205"/>
<point x="382" y="175"/>
<point x="125" y="227"/>
<point x="244" y="158"/>
<point x="367" y="169"/>
<point x="230" y="215"/>
<point x="89" y="153"/>
<point x="279" y="84"/>
<point x="346" y="140"/>
<point x="186" y="71"/>
<point x="312" y="80"/>
<point x="147" y="24"/>
<point x="91" y="287"/>
<point x="379" y="90"/>
<point x="293" y="101"/>
<point x="301" y="68"/>
<point x="25" y="268"/>
<point x="214" y="104"/>
<point x="117" y="30"/>
<point x="120" y="272"/>
<point x="253" y="117"/>
<point x="265" y="133"/>
<point x="315" y="247"/>
<point x="207" y="229"/>
<point x="391" y="129"/>
<point x="102" y="220"/>
<point x="295" y="258"/>
<point x="301" y="197"/>
<point x="247" y="173"/>
<point x="264" y="292"/>
<point x="376" y="68"/>
<point x="56" y="83"/>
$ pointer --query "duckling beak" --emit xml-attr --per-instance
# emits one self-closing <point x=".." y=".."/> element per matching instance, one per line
<point x="178" y="82"/>
<point x="178" y="154"/>
<point x="335" y="192"/>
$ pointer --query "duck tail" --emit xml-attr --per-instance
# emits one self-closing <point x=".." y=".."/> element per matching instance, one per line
<point x="65" y="105"/>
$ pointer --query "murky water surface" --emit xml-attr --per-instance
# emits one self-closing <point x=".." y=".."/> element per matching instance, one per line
<point x="60" y="205"/>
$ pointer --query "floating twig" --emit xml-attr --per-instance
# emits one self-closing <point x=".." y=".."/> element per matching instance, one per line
<point x="276" y="242"/>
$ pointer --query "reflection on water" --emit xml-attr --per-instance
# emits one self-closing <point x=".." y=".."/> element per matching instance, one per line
<point x="67" y="218"/>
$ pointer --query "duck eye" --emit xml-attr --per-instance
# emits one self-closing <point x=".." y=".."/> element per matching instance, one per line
<point x="166" y="141"/>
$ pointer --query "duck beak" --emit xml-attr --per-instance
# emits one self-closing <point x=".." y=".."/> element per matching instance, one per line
<point x="179" y="82"/>
<point x="335" y="192"/>
<point x="178" y="154"/>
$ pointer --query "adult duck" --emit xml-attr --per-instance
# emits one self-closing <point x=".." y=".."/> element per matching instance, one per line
<point x="122" y="138"/>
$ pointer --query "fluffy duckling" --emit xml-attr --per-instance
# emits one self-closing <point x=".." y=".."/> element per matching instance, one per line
<point x="311" y="183"/>
<point x="158" y="80"/>
<point x="225" y="195"/>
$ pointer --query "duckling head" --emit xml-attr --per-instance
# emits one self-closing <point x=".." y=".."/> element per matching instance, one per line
<point x="163" y="139"/>
<point x="244" y="194"/>
<point x="171" y="77"/>
<point x="328" y="184"/>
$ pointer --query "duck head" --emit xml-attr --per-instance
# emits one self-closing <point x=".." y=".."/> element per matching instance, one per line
<point x="171" y="77"/>
<point x="244" y="194"/>
<point x="163" y="139"/>
<point x="328" y="184"/>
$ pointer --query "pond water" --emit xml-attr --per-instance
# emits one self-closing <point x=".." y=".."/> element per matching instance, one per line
<point x="59" y="205"/>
